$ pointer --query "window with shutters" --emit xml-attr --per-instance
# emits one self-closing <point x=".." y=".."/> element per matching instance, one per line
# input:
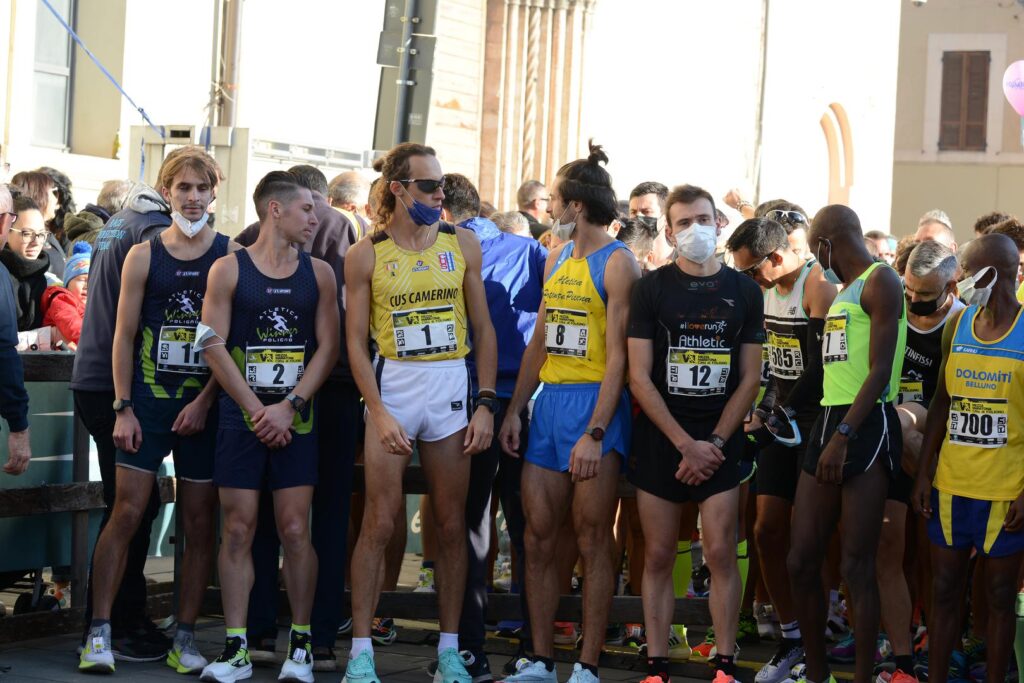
<point x="54" y="56"/>
<point x="964" y="107"/>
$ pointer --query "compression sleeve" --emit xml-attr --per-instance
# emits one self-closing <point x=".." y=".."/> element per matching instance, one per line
<point x="807" y="391"/>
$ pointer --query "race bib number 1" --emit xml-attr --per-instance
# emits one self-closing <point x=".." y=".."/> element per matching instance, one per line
<point x="833" y="346"/>
<point x="698" y="372"/>
<point x="565" y="332"/>
<point x="978" y="421"/>
<point x="425" y="331"/>
<point x="274" y="369"/>
<point x="177" y="352"/>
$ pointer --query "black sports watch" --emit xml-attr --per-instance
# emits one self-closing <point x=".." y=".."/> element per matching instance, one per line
<point x="595" y="433"/>
<point x="488" y="402"/>
<point x="846" y="430"/>
<point x="122" y="403"/>
<point x="298" y="403"/>
<point x="716" y="441"/>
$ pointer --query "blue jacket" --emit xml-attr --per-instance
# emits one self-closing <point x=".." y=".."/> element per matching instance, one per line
<point x="13" y="397"/>
<point x="513" y="274"/>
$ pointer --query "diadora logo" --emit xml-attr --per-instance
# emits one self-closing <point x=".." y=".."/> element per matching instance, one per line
<point x="187" y="273"/>
<point x="420" y="266"/>
<point x="278" y="290"/>
<point x="447" y="261"/>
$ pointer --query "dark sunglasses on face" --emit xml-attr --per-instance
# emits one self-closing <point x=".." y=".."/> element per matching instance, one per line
<point x="754" y="268"/>
<point x="788" y="216"/>
<point x="427" y="186"/>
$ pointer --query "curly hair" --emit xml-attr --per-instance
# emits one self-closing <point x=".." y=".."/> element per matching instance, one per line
<point x="393" y="166"/>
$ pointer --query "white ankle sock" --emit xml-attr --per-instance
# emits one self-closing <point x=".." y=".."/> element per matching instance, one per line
<point x="359" y="645"/>
<point x="448" y="640"/>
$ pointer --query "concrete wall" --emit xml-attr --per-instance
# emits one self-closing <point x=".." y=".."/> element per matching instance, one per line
<point x="964" y="184"/>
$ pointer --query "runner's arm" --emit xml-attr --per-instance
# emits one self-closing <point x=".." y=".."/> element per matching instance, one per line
<point x="938" y="409"/>
<point x="641" y="360"/>
<point x="358" y="275"/>
<point x="819" y="294"/>
<point x="485" y="345"/>
<point x="220" y="290"/>
<point x="738" y="405"/>
<point x="882" y="300"/>
<point x="134" y="274"/>
<point x="327" y="327"/>
<point x="621" y="272"/>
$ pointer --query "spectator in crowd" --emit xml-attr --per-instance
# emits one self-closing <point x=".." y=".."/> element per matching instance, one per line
<point x="41" y="189"/>
<point x="989" y="219"/>
<point x="512" y="222"/>
<point x="1013" y="229"/>
<point x="486" y="210"/>
<point x="639" y="234"/>
<point x="903" y="249"/>
<point x="935" y="225"/>
<point x="350" y="191"/>
<point x="872" y="248"/>
<point x="64" y="307"/>
<point x="648" y="199"/>
<point x="13" y="397"/>
<point x="82" y="227"/>
<point x="532" y="198"/>
<point x="65" y="202"/>
<point x="884" y="245"/>
<point x="27" y="263"/>
<point x="790" y="216"/>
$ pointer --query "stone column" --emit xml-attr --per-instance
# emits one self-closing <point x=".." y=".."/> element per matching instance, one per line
<point x="533" y="85"/>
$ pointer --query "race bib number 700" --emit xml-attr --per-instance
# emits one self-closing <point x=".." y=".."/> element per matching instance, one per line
<point x="978" y="422"/>
<point x="698" y="372"/>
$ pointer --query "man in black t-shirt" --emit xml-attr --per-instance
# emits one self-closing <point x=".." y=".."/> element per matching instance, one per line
<point x="695" y="334"/>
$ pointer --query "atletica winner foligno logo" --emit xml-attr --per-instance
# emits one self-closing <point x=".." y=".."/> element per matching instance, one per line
<point x="184" y="306"/>
<point x="277" y="324"/>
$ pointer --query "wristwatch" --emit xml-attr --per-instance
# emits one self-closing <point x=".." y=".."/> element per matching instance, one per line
<point x="846" y="430"/>
<point x="716" y="441"/>
<point x="122" y="403"/>
<point x="595" y="433"/>
<point x="488" y="402"/>
<point x="298" y="403"/>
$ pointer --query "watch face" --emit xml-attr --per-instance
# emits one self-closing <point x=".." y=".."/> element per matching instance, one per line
<point x="597" y="433"/>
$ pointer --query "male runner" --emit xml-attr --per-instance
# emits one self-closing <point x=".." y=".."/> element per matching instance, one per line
<point x="973" y="497"/>
<point x="796" y="300"/>
<point x="695" y="333"/>
<point x="414" y="287"/>
<point x="854" y="447"/>
<point x="164" y="396"/>
<point x="580" y="429"/>
<point x="268" y="432"/>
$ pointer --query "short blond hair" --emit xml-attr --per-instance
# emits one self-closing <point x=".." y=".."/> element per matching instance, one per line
<point x="193" y="158"/>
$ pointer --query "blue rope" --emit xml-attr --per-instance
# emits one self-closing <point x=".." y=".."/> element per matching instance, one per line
<point x="71" y="31"/>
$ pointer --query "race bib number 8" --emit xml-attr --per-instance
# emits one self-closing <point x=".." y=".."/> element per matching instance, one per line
<point x="425" y="331"/>
<point x="786" y="360"/>
<point x="978" y="421"/>
<point x="833" y="346"/>
<point x="177" y="352"/>
<point x="766" y="366"/>
<point x="697" y="372"/>
<point x="565" y="332"/>
<point x="274" y="369"/>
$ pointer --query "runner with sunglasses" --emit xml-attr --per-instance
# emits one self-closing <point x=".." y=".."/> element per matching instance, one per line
<point x="414" y="288"/>
<point x="796" y="300"/>
<point x="793" y="219"/>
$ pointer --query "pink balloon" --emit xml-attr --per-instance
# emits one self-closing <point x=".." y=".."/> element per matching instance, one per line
<point x="1013" y="86"/>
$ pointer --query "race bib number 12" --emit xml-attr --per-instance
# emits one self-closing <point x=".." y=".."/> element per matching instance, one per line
<point x="697" y="372"/>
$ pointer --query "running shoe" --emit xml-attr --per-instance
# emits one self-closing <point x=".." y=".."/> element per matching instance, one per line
<point x="652" y="679"/>
<point x="185" y="657"/>
<point x="747" y="630"/>
<point x="324" y="659"/>
<point x="298" y="666"/>
<point x="426" y="581"/>
<point x="883" y="651"/>
<point x="345" y="628"/>
<point x="678" y="649"/>
<point x="634" y="636"/>
<point x="837" y="627"/>
<point x="921" y="641"/>
<point x="361" y="669"/>
<point x="530" y="671"/>
<point x="383" y="631"/>
<point x="476" y="664"/>
<point x="974" y="648"/>
<point x="830" y="679"/>
<point x="232" y="665"/>
<point x="139" y="646"/>
<point x="581" y="675"/>
<point x="451" y="668"/>
<point x="896" y="676"/>
<point x="706" y="650"/>
<point x="510" y="628"/>
<point x="566" y="633"/>
<point x="843" y="652"/>
<point x="701" y="578"/>
<point x="768" y="627"/>
<point x="921" y="667"/>
<point x="263" y="651"/>
<point x="786" y="656"/>
<point x="959" y="667"/>
<point x="722" y="677"/>
<point x="96" y="656"/>
<point x="503" y="580"/>
<point x="614" y="634"/>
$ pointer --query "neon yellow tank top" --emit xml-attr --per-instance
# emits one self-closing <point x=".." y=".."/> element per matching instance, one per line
<point x="575" y="322"/>
<point x="981" y="454"/>
<point x="418" y="311"/>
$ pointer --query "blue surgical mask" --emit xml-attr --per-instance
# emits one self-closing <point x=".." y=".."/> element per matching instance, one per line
<point x="829" y="273"/>
<point x="421" y="214"/>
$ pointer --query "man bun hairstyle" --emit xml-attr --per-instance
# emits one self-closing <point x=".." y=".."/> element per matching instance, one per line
<point x="281" y="186"/>
<point x="393" y="166"/>
<point x="586" y="181"/>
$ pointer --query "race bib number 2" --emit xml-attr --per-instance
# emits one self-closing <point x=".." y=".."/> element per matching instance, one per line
<point x="274" y="369"/>
<point x="425" y="331"/>
<point x="565" y="332"/>
<point x="978" y="422"/>
<point x="833" y="346"/>
<point x="697" y="372"/>
<point x="177" y="352"/>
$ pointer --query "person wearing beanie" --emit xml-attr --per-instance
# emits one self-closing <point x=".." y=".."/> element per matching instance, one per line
<point x="64" y="307"/>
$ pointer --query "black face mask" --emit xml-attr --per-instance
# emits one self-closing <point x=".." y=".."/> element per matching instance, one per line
<point x="925" y="308"/>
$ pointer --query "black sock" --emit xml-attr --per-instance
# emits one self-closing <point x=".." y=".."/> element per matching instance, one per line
<point x="548" y="662"/>
<point x="726" y="664"/>
<point x="590" y="667"/>
<point x="905" y="663"/>
<point x="658" y="666"/>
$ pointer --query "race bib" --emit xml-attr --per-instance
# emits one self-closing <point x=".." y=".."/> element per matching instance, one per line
<point x="425" y="331"/>
<point x="176" y="351"/>
<point x="766" y="366"/>
<point x="911" y="390"/>
<point x="565" y="332"/>
<point x="833" y="346"/>
<point x="787" y="362"/>
<point x="978" y="421"/>
<point x="698" y="372"/>
<point x="274" y="369"/>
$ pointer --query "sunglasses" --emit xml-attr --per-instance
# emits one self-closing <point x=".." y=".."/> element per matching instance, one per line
<point x="788" y="216"/>
<point x="427" y="186"/>
<point x="749" y="272"/>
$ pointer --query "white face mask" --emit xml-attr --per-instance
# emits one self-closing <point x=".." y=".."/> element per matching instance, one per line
<point x="977" y="296"/>
<point x="697" y="243"/>
<point x="563" y="231"/>
<point x="188" y="228"/>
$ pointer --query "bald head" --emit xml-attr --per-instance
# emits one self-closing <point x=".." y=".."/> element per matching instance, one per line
<point x="996" y="251"/>
<point x="837" y="222"/>
<point x="349" y="191"/>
